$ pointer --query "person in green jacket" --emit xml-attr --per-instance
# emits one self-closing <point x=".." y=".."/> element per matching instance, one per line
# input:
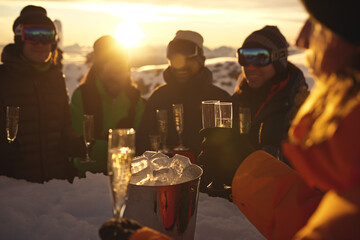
<point x="107" y="92"/>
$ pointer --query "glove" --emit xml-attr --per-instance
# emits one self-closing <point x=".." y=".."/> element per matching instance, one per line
<point x="121" y="229"/>
<point x="222" y="151"/>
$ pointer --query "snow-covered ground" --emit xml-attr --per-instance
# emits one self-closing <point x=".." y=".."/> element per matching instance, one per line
<point x="58" y="210"/>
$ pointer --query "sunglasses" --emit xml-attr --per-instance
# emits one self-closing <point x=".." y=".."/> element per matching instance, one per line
<point x="259" y="57"/>
<point x="184" y="48"/>
<point x="37" y="34"/>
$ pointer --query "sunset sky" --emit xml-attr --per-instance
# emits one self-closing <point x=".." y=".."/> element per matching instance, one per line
<point x="154" y="22"/>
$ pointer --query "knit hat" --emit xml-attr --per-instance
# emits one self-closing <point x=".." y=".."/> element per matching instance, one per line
<point x="187" y="43"/>
<point x="270" y="38"/>
<point x="108" y="48"/>
<point x="31" y="15"/>
<point x="342" y="17"/>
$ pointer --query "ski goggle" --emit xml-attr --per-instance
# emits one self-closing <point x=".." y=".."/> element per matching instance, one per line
<point x="259" y="57"/>
<point x="182" y="47"/>
<point x="36" y="34"/>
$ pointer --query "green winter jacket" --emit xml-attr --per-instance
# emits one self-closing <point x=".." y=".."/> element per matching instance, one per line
<point x="113" y="111"/>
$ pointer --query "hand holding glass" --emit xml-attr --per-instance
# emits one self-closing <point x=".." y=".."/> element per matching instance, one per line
<point x="89" y="135"/>
<point x="121" y="150"/>
<point x="12" y="122"/>
<point x="179" y="124"/>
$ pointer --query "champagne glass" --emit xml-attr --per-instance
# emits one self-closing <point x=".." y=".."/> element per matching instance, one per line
<point x="223" y="114"/>
<point x="155" y="141"/>
<point x="12" y="122"/>
<point x="162" y="120"/>
<point x="178" y="111"/>
<point x="88" y="132"/>
<point x="208" y="113"/>
<point x="121" y="150"/>
<point x="245" y="120"/>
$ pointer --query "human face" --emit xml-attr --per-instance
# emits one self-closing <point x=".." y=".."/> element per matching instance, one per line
<point x="114" y="76"/>
<point x="326" y="52"/>
<point x="184" y="68"/>
<point x="37" y="53"/>
<point x="256" y="77"/>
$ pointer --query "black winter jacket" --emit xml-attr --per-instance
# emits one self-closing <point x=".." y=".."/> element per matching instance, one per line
<point x="273" y="107"/>
<point x="45" y="136"/>
<point x="190" y="94"/>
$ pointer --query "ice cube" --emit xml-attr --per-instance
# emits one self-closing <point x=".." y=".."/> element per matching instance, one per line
<point x="159" y="161"/>
<point x="138" y="164"/>
<point x="149" y="154"/>
<point x="164" y="176"/>
<point x="190" y="173"/>
<point x="179" y="163"/>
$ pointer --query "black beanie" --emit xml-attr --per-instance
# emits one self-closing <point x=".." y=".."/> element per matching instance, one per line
<point x="342" y="17"/>
<point x="107" y="48"/>
<point x="31" y="15"/>
<point x="270" y="38"/>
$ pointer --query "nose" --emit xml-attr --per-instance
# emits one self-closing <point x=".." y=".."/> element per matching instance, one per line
<point x="303" y="40"/>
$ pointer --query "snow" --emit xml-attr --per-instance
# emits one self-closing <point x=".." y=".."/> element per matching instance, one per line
<point x="60" y="210"/>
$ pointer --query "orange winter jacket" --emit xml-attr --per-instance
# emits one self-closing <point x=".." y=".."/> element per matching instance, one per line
<point x="283" y="203"/>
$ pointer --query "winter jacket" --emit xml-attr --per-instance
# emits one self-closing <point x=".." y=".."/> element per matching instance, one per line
<point x="45" y="138"/>
<point x="282" y="203"/>
<point x="272" y="107"/>
<point x="190" y="94"/>
<point x="124" y="111"/>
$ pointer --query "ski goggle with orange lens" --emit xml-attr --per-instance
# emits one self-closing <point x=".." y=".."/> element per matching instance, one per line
<point x="259" y="57"/>
<point x="36" y="34"/>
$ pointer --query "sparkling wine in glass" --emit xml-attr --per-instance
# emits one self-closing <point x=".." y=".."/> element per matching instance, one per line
<point x="162" y="120"/>
<point x="12" y="122"/>
<point x="245" y="120"/>
<point x="89" y="135"/>
<point x="121" y="150"/>
<point x="223" y="115"/>
<point x="178" y="111"/>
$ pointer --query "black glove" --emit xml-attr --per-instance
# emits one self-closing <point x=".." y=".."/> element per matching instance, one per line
<point x="222" y="151"/>
<point x="121" y="229"/>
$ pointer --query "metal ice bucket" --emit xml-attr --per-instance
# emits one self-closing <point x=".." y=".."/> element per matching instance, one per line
<point x="168" y="209"/>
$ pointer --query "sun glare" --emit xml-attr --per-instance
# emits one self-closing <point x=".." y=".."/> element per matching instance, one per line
<point x="129" y="34"/>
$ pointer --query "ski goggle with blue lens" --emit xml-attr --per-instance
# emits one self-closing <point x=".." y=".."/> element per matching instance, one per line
<point x="36" y="34"/>
<point x="259" y="57"/>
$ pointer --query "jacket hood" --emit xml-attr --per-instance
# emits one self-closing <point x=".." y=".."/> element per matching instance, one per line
<point x="203" y="77"/>
<point x="9" y="55"/>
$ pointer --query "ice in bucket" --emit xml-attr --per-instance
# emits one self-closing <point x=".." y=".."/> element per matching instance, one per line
<point x="163" y="194"/>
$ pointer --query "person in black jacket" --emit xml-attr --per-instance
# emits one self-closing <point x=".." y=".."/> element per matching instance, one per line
<point x="31" y="80"/>
<point x="187" y="82"/>
<point x="273" y="89"/>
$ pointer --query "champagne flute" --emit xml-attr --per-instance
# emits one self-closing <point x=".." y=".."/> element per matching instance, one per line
<point x="89" y="135"/>
<point x="162" y="120"/>
<point x="244" y="120"/>
<point x="121" y="150"/>
<point x="208" y="113"/>
<point x="155" y="141"/>
<point x="179" y="124"/>
<point x="12" y="122"/>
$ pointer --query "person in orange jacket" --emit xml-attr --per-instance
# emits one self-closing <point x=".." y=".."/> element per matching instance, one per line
<point x="320" y="197"/>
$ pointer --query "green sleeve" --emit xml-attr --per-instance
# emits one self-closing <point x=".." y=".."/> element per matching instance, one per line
<point x="77" y="111"/>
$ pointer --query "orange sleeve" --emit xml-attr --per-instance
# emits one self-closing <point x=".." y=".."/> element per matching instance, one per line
<point x="146" y="233"/>
<point x="273" y="196"/>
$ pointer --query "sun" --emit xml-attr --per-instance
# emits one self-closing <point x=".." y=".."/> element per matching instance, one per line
<point x="129" y="34"/>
